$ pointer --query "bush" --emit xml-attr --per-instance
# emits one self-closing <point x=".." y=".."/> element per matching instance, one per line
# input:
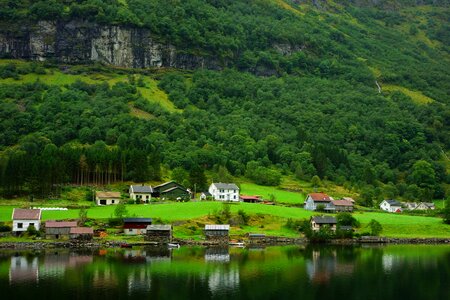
<point x="31" y="231"/>
<point x="375" y="227"/>
<point x="346" y="219"/>
<point x="245" y="217"/>
<point x="5" y="228"/>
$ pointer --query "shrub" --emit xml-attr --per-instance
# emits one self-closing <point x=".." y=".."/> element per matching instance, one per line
<point x="375" y="227"/>
<point x="5" y="228"/>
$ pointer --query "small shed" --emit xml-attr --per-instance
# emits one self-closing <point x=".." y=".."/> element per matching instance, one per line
<point x="58" y="230"/>
<point x="159" y="233"/>
<point x="23" y="218"/>
<point x="217" y="233"/>
<point x="255" y="238"/>
<point x="81" y="233"/>
<point x="134" y="226"/>
<point x="318" y="222"/>
<point x="107" y="198"/>
<point x="250" y="199"/>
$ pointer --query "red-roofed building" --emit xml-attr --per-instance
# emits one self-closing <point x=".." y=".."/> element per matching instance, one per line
<point x="250" y="199"/>
<point x="314" y="199"/>
<point x="22" y="218"/>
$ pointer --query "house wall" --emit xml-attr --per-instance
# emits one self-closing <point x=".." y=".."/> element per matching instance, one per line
<point x="141" y="196"/>
<point x="178" y="193"/>
<point x="217" y="236"/>
<point x="159" y="236"/>
<point x="224" y="195"/>
<point x="60" y="232"/>
<point x="109" y="201"/>
<point x="135" y="231"/>
<point x="316" y="227"/>
<point x="25" y="224"/>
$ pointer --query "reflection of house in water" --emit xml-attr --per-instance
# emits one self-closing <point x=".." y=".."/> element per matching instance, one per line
<point x="223" y="280"/>
<point x="139" y="280"/>
<point x="323" y="266"/>
<point x="147" y="255"/>
<point x="23" y="269"/>
<point x="105" y="276"/>
<point x="217" y="254"/>
<point x="56" y="263"/>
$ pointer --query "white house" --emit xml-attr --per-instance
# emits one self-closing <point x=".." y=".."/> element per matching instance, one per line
<point x="224" y="191"/>
<point x="314" y="199"/>
<point x="141" y="193"/>
<point x="107" y="198"/>
<point x="22" y="218"/>
<point x="391" y="206"/>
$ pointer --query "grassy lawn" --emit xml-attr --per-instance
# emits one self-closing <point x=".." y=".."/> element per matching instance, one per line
<point x="394" y="225"/>
<point x="282" y="196"/>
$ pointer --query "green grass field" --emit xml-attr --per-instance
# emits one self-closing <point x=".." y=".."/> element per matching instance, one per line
<point x="281" y="196"/>
<point x="394" y="225"/>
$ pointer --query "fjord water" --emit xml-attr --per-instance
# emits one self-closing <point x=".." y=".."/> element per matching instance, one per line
<point x="289" y="272"/>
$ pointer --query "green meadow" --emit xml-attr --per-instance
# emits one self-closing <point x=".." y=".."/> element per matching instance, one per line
<point x="394" y="225"/>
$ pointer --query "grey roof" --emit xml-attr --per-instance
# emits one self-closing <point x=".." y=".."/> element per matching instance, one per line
<point x="324" y="220"/>
<point x="217" y="227"/>
<point x="137" y="220"/>
<point x="226" y="186"/>
<point x="142" y="189"/>
<point x="159" y="227"/>
<point x="393" y="202"/>
<point x="163" y="184"/>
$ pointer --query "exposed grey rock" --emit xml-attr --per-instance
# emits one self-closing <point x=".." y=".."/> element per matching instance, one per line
<point x="83" y="42"/>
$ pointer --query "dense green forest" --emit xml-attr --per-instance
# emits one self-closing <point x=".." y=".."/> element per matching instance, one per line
<point x="297" y="94"/>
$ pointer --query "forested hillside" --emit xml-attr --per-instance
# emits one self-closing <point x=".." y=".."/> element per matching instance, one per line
<point x="357" y="94"/>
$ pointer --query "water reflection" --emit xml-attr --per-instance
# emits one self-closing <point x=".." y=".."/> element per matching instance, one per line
<point x="274" y="272"/>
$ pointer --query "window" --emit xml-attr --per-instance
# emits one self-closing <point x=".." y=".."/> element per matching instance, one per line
<point x="19" y="225"/>
<point x="221" y="191"/>
<point x="234" y="197"/>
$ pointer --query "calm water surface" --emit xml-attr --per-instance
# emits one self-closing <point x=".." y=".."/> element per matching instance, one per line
<point x="312" y="272"/>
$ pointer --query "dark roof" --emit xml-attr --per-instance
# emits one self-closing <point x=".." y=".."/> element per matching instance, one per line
<point x="55" y="224"/>
<point x="141" y="189"/>
<point x="393" y="202"/>
<point x="320" y="197"/>
<point x="81" y="230"/>
<point x="324" y="220"/>
<point x="163" y="184"/>
<point x="26" y="214"/>
<point x="174" y="188"/>
<point x="137" y="220"/>
<point x="226" y="186"/>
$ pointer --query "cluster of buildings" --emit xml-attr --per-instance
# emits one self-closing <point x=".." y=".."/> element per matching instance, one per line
<point x="395" y="206"/>
<point x="321" y="201"/>
<point x="24" y="218"/>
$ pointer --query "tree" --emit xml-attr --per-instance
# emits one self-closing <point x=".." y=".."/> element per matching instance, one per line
<point x="82" y="216"/>
<point x="446" y="211"/>
<point x="346" y="219"/>
<point x="375" y="227"/>
<point x="120" y="211"/>
<point x="315" y="181"/>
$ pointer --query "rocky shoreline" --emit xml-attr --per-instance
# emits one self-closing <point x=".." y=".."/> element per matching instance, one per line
<point x="268" y="241"/>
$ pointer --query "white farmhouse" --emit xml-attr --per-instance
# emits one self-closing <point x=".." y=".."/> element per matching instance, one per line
<point x="107" y="198"/>
<point x="224" y="191"/>
<point x="22" y="218"/>
<point x="391" y="206"/>
<point x="141" y="193"/>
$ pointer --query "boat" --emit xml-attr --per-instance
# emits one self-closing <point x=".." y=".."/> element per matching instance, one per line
<point x="237" y="244"/>
<point x="173" y="245"/>
<point x="125" y="246"/>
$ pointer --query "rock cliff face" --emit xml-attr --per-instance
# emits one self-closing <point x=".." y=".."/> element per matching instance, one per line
<point x="82" y="42"/>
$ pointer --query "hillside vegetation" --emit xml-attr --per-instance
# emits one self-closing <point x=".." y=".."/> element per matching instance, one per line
<point x="296" y="93"/>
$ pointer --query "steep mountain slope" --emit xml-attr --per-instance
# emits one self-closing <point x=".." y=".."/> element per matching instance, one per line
<point x="357" y="92"/>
